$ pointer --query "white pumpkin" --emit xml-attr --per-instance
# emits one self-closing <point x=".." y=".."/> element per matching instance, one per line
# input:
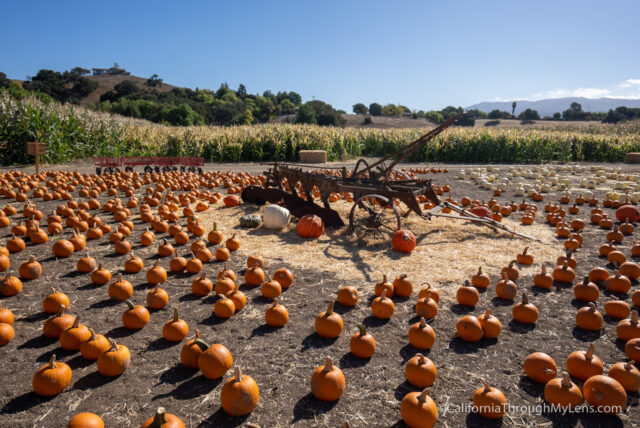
<point x="275" y="217"/>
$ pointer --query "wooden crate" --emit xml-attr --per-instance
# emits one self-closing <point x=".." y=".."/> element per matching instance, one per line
<point x="313" y="156"/>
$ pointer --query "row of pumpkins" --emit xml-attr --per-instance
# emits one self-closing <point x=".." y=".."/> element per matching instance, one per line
<point x="577" y="179"/>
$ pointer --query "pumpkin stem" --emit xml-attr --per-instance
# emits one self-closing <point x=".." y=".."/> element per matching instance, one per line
<point x="487" y="387"/>
<point x="201" y="343"/>
<point x="328" y="365"/>
<point x="52" y="361"/>
<point x="114" y="345"/>
<point x="237" y="374"/>
<point x="60" y="310"/>
<point x="543" y="270"/>
<point x="329" y="308"/>
<point x="511" y="263"/>
<point x="32" y="259"/>
<point x="93" y="335"/>
<point x="159" y="419"/>
<point x="362" y="328"/>
<point x="423" y="322"/>
<point x="479" y="270"/>
<point x="130" y="304"/>
<point x="566" y="380"/>
<point x="421" y="359"/>
<point x="592" y="307"/>
<point x="634" y="317"/>
<point x="525" y="299"/>
<point x="156" y="263"/>
<point x="487" y="313"/>
<point x="586" y="280"/>
<point x="590" y="351"/>
<point x="176" y="315"/>
<point x="524" y="252"/>
<point x="275" y="302"/>
<point x="76" y="321"/>
<point x="423" y="395"/>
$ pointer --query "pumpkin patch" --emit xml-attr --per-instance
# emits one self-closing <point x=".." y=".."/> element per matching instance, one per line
<point x="138" y="260"/>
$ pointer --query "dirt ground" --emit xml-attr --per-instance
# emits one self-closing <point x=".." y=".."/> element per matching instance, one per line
<point x="282" y="360"/>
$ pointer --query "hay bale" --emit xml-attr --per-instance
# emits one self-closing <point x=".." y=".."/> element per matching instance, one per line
<point x="633" y="157"/>
<point x="313" y="156"/>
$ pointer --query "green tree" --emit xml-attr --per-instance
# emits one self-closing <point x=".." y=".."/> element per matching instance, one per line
<point x="245" y="118"/>
<point x="242" y="91"/>
<point x="79" y="71"/>
<point x="4" y="82"/>
<point x="264" y="108"/>
<point x="153" y="81"/>
<point x="295" y="98"/>
<point x="306" y="114"/>
<point x="557" y="116"/>
<point x="451" y="111"/>
<point x="61" y="86"/>
<point x="126" y="88"/>
<point x="375" y="109"/>
<point x="529" y="114"/>
<point x="495" y="114"/>
<point x="360" y="108"/>
<point x="392" y="110"/>
<point x="325" y="114"/>
<point x="182" y="115"/>
<point x="513" y="108"/>
<point x="223" y="90"/>
<point x="476" y="114"/>
<point x="574" y="112"/>
<point x="287" y="106"/>
<point x="434" y="116"/>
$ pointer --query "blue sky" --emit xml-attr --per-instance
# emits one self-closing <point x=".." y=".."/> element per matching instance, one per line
<point x="423" y="54"/>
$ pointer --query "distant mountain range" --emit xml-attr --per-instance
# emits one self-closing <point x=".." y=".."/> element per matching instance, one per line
<point x="557" y="105"/>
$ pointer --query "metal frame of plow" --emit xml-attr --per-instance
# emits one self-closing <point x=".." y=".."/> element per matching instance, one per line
<point x="466" y="215"/>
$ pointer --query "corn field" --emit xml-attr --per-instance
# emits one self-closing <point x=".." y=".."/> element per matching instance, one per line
<point x="73" y="132"/>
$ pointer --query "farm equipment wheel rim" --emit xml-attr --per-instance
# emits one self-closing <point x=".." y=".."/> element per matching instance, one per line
<point x="367" y="216"/>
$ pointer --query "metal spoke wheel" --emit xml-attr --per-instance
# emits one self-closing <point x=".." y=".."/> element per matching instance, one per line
<point x="373" y="215"/>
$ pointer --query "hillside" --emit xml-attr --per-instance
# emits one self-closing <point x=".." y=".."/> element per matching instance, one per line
<point x="557" y="105"/>
<point x="107" y="83"/>
<point x="378" y="122"/>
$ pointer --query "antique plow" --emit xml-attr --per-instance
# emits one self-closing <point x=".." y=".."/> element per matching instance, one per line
<point x="376" y="188"/>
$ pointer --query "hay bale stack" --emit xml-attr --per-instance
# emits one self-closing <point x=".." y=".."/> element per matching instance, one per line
<point x="633" y="157"/>
<point x="313" y="156"/>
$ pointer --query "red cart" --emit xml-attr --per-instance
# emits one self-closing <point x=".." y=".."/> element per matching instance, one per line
<point x="150" y="163"/>
<point x="107" y="164"/>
